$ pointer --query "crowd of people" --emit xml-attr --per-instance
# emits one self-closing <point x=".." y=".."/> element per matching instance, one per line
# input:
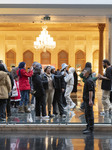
<point x="52" y="88"/>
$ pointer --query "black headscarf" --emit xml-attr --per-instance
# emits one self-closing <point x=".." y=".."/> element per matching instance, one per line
<point x="2" y="68"/>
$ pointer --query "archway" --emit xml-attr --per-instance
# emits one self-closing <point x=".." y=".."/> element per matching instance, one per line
<point x="62" y="58"/>
<point x="45" y="58"/>
<point x="10" y="59"/>
<point x="80" y="59"/>
<point x="28" y="57"/>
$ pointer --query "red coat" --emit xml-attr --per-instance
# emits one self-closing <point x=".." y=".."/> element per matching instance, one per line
<point x="23" y="80"/>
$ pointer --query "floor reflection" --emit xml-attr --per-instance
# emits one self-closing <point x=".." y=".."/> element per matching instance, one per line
<point x="52" y="142"/>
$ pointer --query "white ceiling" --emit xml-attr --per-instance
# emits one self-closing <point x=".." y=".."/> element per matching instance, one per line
<point x="58" y="13"/>
<point x="55" y="19"/>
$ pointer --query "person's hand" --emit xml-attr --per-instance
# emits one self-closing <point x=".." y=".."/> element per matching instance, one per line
<point x="31" y="68"/>
<point x="99" y="76"/>
<point x="90" y="103"/>
<point x="63" y="90"/>
<point x="64" y="73"/>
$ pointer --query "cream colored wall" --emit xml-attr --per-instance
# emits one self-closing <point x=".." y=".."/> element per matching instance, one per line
<point x="70" y="41"/>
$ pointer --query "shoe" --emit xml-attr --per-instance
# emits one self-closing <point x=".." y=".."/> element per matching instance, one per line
<point x="20" y="110"/>
<point x="45" y="117"/>
<point x="85" y="129"/>
<point x="67" y="108"/>
<point x="26" y="109"/>
<point x="29" y="118"/>
<point x="102" y="113"/>
<point x="63" y="116"/>
<point x="88" y="131"/>
<point x="73" y="106"/>
<point x="51" y="116"/>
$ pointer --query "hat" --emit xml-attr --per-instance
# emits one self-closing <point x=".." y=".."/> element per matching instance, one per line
<point x="37" y="64"/>
<point x="71" y="70"/>
<point x="45" y="68"/>
<point x="52" y="67"/>
<point x="64" y="65"/>
<point x="21" y="64"/>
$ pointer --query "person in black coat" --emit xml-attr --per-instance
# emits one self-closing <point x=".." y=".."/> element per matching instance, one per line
<point x="39" y="93"/>
<point x="59" y="88"/>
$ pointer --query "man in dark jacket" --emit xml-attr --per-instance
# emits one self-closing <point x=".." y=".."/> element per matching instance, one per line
<point x="88" y="97"/>
<point x="59" y="88"/>
<point x="106" y="87"/>
<point x="39" y="93"/>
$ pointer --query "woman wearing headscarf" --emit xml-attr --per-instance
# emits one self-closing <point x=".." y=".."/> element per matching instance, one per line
<point x="24" y="86"/>
<point x="39" y="94"/>
<point x="48" y="84"/>
<point x="5" y="89"/>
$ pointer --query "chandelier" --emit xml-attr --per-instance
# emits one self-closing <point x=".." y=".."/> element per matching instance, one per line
<point x="44" y="41"/>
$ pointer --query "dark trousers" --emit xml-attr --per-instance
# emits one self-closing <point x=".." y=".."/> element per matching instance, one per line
<point x="40" y="105"/>
<point x="111" y="96"/>
<point x="57" y="101"/>
<point x="82" y="105"/>
<point x="89" y="115"/>
<point x="8" y="107"/>
<point x="64" y="103"/>
<point x="2" y="108"/>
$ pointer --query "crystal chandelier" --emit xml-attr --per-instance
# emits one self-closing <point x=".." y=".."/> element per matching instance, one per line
<point x="44" y="41"/>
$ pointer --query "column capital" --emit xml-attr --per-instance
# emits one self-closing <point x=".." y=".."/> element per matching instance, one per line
<point x="101" y="27"/>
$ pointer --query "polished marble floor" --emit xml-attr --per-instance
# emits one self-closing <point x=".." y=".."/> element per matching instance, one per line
<point x="73" y="116"/>
<point x="55" y="141"/>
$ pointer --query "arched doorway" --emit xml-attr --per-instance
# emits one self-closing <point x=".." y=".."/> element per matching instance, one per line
<point x="45" y="58"/>
<point x="80" y="59"/>
<point x="28" y="58"/>
<point x="10" y="59"/>
<point x="95" y="60"/>
<point x="62" y="58"/>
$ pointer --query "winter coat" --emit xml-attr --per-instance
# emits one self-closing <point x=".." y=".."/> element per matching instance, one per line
<point x="23" y="79"/>
<point x="37" y="85"/>
<point x="5" y="85"/>
<point x="59" y="81"/>
<point x="45" y="81"/>
<point x="75" y="82"/>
